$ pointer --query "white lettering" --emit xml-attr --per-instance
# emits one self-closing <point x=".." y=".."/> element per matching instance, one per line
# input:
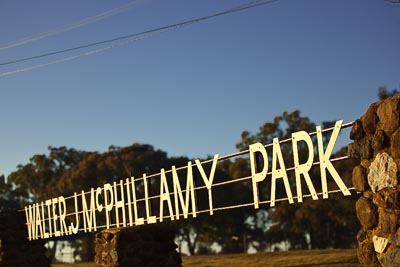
<point x="62" y="214"/>
<point x="74" y="229"/>
<point x="54" y="201"/>
<point x="305" y="167"/>
<point x="325" y="163"/>
<point x="279" y="173"/>
<point x="257" y="177"/>
<point x="119" y="204"/>
<point x="48" y="204"/>
<point x="128" y="196"/>
<point x="30" y="221"/>
<point x="38" y="222"/>
<point x="150" y="219"/>
<point x="138" y="221"/>
<point x="164" y="196"/>
<point x="98" y="204"/>
<point x="189" y="192"/>
<point x="89" y="216"/>
<point x="45" y="234"/>
<point x="108" y="205"/>
<point x="208" y="180"/>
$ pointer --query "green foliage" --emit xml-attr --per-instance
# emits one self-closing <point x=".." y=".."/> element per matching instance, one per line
<point x="384" y="93"/>
<point x="281" y="127"/>
<point x="9" y="197"/>
<point x="40" y="176"/>
<point x="96" y="169"/>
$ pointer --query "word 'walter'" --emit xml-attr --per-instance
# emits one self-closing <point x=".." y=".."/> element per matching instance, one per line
<point x="120" y="204"/>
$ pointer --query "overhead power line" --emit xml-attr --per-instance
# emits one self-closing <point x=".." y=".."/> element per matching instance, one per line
<point x="92" y="52"/>
<point x="73" y="26"/>
<point x="245" y="6"/>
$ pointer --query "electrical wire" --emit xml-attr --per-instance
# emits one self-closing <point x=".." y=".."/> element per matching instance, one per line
<point x="215" y="209"/>
<point x="92" y="52"/>
<point x="81" y="23"/>
<point x="344" y="126"/>
<point x="245" y="6"/>
<point x="171" y="216"/>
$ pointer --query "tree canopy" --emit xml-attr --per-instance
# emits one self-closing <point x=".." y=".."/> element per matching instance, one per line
<point x="384" y="93"/>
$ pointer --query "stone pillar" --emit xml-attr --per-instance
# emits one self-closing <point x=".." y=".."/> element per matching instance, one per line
<point x="15" y="248"/>
<point x="376" y="143"/>
<point x="144" y="246"/>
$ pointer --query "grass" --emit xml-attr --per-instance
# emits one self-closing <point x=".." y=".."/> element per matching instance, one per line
<point x="331" y="258"/>
<point x="300" y="258"/>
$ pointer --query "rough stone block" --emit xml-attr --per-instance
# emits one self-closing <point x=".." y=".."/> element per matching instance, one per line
<point x="365" y="163"/>
<point x="357" y="132"/>
<point x="370" y="119"/>
<point x="361" y="235"/>
<point x="395" y="144"/>
<point x="393" y="199"/>
<point x="380" y="243"/>
<point x="379" y="141"/>
<point x="366" y="254"/>
<point x="395" y="239"/>
<point x="392" y="258"/>
<point x="388" y="221"/>
<point x="368" y="194"/>
<point x="378" y="210"/>
<point x="148" y="245"/>
<point x="389" y="115"/>
<point x="382" y="172"/>
<point x="387" y="199"/>
<point x="360" y="179"/>
<point x="360" y="149"/>
<point x="379" y="199"/>
<point x="366" y="213"/>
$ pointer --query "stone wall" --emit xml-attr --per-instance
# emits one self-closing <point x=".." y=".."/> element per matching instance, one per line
<point x="376" y="143"/>
<point x="15" y="249"/>
<point x="144" y="246"/>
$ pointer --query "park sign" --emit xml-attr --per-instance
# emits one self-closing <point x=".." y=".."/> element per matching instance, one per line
<point x="132" y="201"/>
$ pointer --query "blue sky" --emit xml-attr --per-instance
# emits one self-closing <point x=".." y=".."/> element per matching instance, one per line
<point x="191" y="91"/>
